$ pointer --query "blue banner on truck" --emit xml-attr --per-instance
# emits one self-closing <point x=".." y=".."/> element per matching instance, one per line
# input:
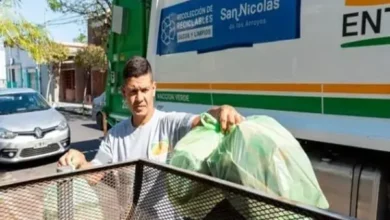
<point x="209" y="25"/>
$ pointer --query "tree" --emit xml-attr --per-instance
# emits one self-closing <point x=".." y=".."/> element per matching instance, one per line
<point x="55" y="54"/>
<point x="17" y="32"/>
<point x="81" y="38"/>
<point x="91" y="57"/>
<point x="97" y="10"/>
<point x="34" y="39"/>
<point x="26" y="36"/>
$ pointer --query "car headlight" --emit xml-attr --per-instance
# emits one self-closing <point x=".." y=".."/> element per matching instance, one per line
<point x="62" y="126"/>
<point x="5" y="134"/>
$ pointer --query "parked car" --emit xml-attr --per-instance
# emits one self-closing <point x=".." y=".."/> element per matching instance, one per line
<point x="29" y="127"/>
<point x="97" y="106"/>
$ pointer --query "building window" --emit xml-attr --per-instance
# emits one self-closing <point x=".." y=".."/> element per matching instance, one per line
<point x="13" y="75"/>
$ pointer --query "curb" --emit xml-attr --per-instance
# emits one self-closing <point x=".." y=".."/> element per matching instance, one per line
<point x="78" y="111"/>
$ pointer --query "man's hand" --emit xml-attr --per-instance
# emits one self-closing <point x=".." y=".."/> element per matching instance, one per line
<point x="73" y="158"/>
<point x="77" y="159"/>
<point x="227" y="116"/>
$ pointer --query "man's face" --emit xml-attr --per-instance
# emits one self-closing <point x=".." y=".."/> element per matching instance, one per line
<point x="139" y="93"/>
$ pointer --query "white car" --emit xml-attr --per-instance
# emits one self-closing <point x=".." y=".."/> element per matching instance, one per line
<point x="29" y="127"/>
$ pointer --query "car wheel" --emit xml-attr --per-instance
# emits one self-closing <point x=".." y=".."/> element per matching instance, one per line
<point x="99" y="120"/>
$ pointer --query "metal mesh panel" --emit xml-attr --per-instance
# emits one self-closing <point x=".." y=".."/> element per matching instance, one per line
<point x="70" y="196"/>
<point x="157" y="192"/>
<point x="169" y="193"/>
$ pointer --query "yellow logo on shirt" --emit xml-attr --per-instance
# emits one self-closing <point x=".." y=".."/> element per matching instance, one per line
<point x="160" y="148"/>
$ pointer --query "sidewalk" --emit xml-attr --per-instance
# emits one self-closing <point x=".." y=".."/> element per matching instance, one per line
<point x="76" y="108"/>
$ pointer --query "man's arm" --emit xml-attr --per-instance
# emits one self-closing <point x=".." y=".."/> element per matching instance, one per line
<point x="103" y="156"/>
<point x="178" y="124"/>
<point x="105" y="152"/>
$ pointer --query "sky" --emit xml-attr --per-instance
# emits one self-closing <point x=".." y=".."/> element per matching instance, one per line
<point x="37" y="11"/>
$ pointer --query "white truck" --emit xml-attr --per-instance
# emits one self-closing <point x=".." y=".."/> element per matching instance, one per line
<point x="320" y="67"/>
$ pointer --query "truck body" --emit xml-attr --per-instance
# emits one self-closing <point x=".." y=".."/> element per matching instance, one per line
<point x="318" y="67"/>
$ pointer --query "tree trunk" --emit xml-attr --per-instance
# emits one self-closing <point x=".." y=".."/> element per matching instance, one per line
<point x="48" y="85"/>
<point x="86" y="81"/>
<point x="51" y="76"/>
<point x="85" y="86"/>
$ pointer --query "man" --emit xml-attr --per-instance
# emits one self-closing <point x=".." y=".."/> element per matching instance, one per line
<point x="149" y="133"/>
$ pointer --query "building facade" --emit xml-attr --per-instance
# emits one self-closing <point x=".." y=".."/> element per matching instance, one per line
<point x="21" y="70"/>
<point x="71" y="79"/>
<point x="57" y="83"/>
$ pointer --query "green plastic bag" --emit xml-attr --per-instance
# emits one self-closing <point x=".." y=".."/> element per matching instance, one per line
<point x="85" y="201"/>
<point x="190" y="153"/>
<point x="261" y="154"/>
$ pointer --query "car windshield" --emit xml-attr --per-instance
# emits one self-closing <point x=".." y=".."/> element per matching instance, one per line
<point x="21" y="103"/>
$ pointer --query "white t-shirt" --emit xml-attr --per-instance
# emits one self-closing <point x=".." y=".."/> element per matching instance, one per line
<point x="150" y="141"/>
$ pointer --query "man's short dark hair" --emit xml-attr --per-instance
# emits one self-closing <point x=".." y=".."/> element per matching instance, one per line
<point x="136" y="66"/>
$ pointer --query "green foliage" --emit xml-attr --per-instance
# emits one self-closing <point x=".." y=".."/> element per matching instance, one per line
<point x="81" y="38"/>
<point x="97" y="10"/>
<point x="91" y="57"/>
<point x="55" y="52"/>
<point x="90" y="8"/>
<point x="33" y="39"/>
<point x="54" y="5"/>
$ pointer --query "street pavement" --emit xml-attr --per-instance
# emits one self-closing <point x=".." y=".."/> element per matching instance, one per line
<point x="85" y="136"/>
